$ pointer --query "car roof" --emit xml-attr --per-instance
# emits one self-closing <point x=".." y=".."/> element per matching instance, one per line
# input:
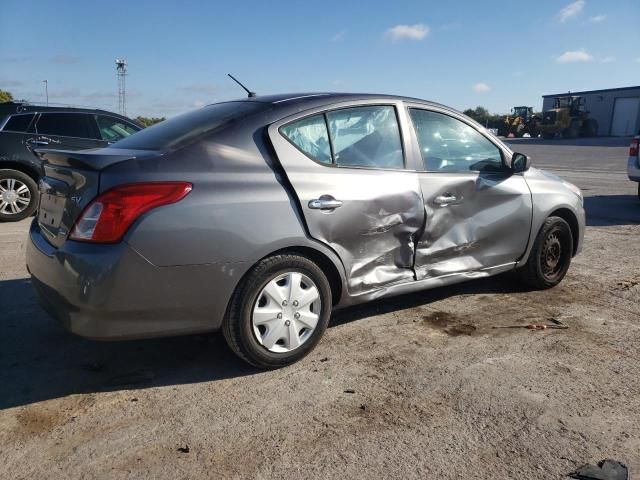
<point x="306" y="100"/>
<point x="10" y="108"/>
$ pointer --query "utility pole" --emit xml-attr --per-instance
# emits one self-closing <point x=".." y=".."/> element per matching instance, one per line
<point x="46" y="90"/>
<point x="121" y="72"/>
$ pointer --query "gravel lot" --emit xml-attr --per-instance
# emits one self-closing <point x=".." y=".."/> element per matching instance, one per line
<point x="419" y="386"/>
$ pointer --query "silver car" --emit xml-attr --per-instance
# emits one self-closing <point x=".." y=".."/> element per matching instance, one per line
<point x="261" y="216"/>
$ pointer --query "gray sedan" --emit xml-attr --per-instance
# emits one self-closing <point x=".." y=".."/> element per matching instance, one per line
<point x="260" y="216"/>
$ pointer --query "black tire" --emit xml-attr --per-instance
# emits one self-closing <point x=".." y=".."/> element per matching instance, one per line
<point x="238" y="327"/>
<point x="6" y="175"/>
<point x="541" y="270"/>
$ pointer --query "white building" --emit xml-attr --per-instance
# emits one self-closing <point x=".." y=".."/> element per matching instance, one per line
<point x="617" y="110"/>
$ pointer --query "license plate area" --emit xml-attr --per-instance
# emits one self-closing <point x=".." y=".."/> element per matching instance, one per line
<point x="51" y="210"/>
<point x="53" y="199"/>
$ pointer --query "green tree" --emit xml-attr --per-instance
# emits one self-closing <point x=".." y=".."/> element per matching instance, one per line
<point x="479" y="114"/>
<point x="148" y="121"/>
<point x="5" y="96"/>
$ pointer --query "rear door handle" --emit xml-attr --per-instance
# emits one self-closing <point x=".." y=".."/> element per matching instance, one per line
<point x="325" y="202"/>
<point x="446" y="199"/>
<point x="40" y="143"/>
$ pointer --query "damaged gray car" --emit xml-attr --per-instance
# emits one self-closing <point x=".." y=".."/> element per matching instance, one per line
<point x="261" y="216"/>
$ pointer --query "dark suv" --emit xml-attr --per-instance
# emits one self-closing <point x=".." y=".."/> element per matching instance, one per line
<point x="24" y="127"/>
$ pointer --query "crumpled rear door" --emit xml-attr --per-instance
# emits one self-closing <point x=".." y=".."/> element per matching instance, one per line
<point x="375" y="228"/>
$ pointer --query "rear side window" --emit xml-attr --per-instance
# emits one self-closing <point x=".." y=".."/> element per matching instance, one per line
<point x="64" y="124"/>
<point x="366" y="137"/>
<point x="450" y="145"/>
<point x="183" y="129"/>
<point x="310" y="135"/>
<point x="351" y="137"/>
<point x="18" y="123"/>
<point x="113" y="129"/>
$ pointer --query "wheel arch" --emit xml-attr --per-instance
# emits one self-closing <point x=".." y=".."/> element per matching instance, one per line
<point x="568" y="216"/>
<point x="20" y="167"/>
<point x="326" y="264"/>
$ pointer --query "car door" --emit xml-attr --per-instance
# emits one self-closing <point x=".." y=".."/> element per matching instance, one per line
<point x="347" y="169"/>
<point x="478" y="213"/>
<point x="14" y="132"/>
<point x="65" y="130"/>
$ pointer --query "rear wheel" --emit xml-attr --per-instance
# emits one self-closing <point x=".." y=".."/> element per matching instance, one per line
<point x="550" y="256"/>
<point x="18" y="195"/>
<point x="279" y="312"/>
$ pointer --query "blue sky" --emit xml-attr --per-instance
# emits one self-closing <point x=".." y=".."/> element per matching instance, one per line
<point x="491" y="53"/>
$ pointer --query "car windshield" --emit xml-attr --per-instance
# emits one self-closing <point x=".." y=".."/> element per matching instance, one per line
<point x="183" y="129"/>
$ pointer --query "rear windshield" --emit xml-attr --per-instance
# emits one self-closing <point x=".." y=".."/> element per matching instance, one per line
<point x="181" y="130"/>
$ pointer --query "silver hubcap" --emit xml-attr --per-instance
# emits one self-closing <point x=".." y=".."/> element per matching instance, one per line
<point x="14" y="196"/>
<point x="286" y="312"/>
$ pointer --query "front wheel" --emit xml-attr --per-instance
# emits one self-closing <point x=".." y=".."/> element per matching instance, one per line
<point x="279" y="312"/>
<point x="18" y="195"/>
<point x="550" y="256"/>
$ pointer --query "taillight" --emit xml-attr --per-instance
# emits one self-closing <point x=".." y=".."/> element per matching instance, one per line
<point x="107" y="218"/>
<point x="634" y="147"/>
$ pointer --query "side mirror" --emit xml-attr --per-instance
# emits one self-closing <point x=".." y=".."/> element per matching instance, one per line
<point x="520" y="162"/>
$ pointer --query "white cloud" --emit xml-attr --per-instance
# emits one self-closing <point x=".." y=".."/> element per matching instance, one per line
<point x="598" y="18"/>
<point x="339" y="36"/>
<point x="572" y="56"/>
<point x="408" y="32"/>
<point x="609" y="59"/>
<point x="571" y="10"/>
<point x="481" y="87"/>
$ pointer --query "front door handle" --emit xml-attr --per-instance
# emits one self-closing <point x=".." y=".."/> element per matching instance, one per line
<point x="446" y="199"/>
<point x="325" y="202"/>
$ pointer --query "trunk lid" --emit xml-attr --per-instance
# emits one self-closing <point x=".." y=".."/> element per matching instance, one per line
<point x="71" y="181"/>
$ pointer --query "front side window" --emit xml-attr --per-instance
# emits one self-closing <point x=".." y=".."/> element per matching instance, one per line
<point x="450" y="145"/>
<point x="311" y="137"/>
<point x="18" y="123"/>
<point x="366" y="137"/>
<point x="64" y="124"/>
<point x="113" y="129"/>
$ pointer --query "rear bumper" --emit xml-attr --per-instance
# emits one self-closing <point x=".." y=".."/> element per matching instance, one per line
<point x="110" y="292"/>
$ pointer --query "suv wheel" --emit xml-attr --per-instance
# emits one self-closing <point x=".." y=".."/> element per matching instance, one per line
<point x="18" y="195"/>
<point x="550" y="256"/>
<point x="279" y="312"/>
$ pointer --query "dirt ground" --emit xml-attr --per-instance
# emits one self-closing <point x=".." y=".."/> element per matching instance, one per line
<point x="420" y="386"/>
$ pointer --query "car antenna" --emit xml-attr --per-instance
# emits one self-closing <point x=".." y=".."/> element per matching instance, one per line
<point x="251" y="94"/>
